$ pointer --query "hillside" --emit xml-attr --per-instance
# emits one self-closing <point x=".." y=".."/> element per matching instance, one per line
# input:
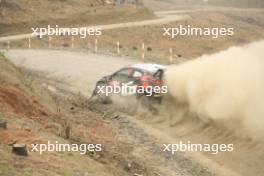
<point x="20" y="16"/>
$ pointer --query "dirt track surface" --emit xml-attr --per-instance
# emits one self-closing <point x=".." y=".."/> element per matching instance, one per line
<point x="79" y="69"/>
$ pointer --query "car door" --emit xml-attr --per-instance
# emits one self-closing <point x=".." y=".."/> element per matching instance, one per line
<point x="122" y="76"/>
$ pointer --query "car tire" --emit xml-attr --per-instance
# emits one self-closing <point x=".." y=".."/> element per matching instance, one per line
<point x="101" y="97"/>
<point x="148" y="103"/>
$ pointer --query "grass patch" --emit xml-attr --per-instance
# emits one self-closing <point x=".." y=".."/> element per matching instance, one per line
<point x="5" y="169"/>
<point x="67" y="173"/>
<point x="27" y="172"/>
<point x="2" y="55"/>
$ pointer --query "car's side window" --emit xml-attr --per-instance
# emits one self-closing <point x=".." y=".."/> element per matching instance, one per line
<point x="137" y="74"/>
<point x="125" y="72"/>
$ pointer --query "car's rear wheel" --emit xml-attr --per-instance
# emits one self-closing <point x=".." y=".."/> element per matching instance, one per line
<point x="148" y="102"/>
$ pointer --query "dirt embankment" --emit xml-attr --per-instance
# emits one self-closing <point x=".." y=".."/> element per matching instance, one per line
<point x="35" y="115"/>
<point x="15" y="95"/>
<point x="15" y="99"/>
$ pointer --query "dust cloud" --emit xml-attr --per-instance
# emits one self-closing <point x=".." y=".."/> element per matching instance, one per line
<point x="227" y="86"/>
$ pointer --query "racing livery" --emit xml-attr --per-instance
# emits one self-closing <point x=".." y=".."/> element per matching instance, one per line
<point x="145" y="81"/>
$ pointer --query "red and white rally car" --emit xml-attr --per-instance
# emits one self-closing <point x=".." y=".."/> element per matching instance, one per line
<point x="145" y="81"/>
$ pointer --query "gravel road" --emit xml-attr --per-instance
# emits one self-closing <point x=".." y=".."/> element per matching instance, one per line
<point x="81" y="70"/>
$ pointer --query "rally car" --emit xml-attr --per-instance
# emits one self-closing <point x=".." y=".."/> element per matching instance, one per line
<point x="143" y="81"/>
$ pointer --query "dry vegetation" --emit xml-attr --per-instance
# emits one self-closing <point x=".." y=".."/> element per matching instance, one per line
<point x="37" y="13"/>
<point x="29" y="121"/>
<point x="248" y="27"/>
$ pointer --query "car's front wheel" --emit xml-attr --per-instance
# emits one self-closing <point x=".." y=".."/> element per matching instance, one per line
<point x="101" y="96"/>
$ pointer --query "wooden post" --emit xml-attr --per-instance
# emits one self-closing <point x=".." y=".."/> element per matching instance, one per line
<point x="50" y="38"/>
<point x="29" y="42"/>
<point x="171" y="57"/>
<point x="95" y="45"/>
<point x="68" y="132"/>
<point x="118" y="47"/>
<point x="143" y="50"/>
<point x="72" y="42"/>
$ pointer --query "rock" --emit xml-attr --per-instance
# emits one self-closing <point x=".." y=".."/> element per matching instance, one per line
<point x="129" y="165"/>
<point x="135" y="174"/>
<point x="20" y="149"/>
<point x="115" y="116"/>
<point x="3" y="124"/>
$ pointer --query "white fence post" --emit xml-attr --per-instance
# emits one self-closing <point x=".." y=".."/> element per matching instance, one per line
<point x="72" y="42"/>
<point x="143" y="50"/>
<point x="29" y="42"/>
<point x="118" y="47"/>
<point x="95" y="45"/>
<point x="171" y="56"/>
